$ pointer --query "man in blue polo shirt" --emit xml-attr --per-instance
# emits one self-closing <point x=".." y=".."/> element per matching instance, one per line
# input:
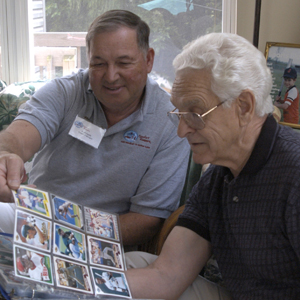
<point x="102" y="135"/>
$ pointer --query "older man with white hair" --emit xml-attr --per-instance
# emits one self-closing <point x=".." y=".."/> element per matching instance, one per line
<point x="245" y="209"/>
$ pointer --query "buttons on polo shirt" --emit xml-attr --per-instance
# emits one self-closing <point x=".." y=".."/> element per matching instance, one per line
<point x="235" y="199"/>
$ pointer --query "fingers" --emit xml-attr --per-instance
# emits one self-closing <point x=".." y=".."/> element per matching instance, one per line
<point x="11" y="173"/>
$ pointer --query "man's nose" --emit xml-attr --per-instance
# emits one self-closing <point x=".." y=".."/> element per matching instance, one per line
<point x="184" y="129"/>
<point x="112" y="73"/>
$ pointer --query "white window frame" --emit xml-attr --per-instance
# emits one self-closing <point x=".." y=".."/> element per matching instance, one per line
<point x="229" y="16"/>
<point x="17" y="40"/>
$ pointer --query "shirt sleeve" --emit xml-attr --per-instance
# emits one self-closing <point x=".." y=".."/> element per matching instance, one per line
<point x="291" y="96"/>
<point x="195" y="214"/>
<point x="48" y="106"/>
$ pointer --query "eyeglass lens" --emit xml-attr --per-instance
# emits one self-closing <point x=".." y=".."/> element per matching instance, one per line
<point x="193" y="120"/>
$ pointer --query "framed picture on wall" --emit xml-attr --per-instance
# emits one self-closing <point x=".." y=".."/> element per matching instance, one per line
<point x="281" y="56"/>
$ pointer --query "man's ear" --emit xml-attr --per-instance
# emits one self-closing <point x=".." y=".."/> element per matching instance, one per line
<point x="150" y="59"/>
<point x="246" y="107"/>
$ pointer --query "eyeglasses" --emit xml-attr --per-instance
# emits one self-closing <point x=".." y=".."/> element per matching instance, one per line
<point x="192" y="119"/>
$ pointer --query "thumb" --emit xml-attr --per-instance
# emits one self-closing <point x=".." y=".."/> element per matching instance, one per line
<point x="15" y="174"/>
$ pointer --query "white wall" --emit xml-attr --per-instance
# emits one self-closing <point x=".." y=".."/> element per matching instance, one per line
<point x="279" y="21"/>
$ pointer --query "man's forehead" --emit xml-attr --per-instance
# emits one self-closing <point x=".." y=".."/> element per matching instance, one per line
<point x="192" y="87"/>
<point x="185" y="101"/>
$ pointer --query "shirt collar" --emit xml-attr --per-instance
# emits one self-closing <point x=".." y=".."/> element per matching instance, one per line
<point x="263" y="147"/>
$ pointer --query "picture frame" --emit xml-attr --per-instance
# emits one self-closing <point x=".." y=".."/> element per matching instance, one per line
<point x="280" y="56"/>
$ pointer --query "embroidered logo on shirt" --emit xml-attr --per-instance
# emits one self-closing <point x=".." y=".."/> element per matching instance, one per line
<point x="132" y="138"/>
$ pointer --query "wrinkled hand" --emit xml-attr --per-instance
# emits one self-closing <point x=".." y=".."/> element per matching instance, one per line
<point x="12" y="174"/>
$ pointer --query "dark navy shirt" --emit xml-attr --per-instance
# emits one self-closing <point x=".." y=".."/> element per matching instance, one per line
<point x="253" y="220"/>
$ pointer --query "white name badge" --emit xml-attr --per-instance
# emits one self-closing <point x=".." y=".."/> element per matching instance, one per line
<point x="87" y="132"/>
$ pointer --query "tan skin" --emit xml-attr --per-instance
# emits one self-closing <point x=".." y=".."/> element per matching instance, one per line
<point x="118" y="72"/>
<point x="227" y="139"/>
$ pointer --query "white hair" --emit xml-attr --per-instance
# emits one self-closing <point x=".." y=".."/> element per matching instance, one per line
<point x="235" y="65"/>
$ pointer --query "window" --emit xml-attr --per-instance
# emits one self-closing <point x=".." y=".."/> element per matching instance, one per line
<point x="56" y="32"/>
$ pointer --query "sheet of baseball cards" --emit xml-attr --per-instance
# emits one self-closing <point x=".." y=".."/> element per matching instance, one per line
<point x="68" y="247"/>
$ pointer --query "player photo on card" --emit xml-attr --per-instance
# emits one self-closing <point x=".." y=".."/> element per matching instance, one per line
<point x="67" y="212"/>
<point x="71" y="275"/>
<point x="33" y="200"/>
<point x="105" y="253"/>
<point x="69" y="242"/>
<point x="33" y="265"/>
<point x="110" y="283"/>
<point x="101" y="223"/>
<point x="31" y="230"/>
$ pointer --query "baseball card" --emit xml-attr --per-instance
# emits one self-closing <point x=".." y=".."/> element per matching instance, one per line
<point x="72" y="276"/>
<point x="33" y="265"/>
<point x="31" y="230"/>
<point x="67" y="212"/>
<point x="69" y="243"/>
<point x="105" y="253"/>
<point x="101" y="223"/>
<point x="33" y="200"/>
<point x="110" y="283"/>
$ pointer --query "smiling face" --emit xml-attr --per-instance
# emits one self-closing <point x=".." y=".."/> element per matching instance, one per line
<point x="191" y="92"/>
<point x="118" y="70"/>
<point x="289" y="82"/>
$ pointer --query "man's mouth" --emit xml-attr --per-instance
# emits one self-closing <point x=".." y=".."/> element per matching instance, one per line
<point x="113" y="88"/>
<point x="195" y="143"/>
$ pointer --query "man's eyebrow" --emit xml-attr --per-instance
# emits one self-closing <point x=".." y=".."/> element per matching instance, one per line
<point x="96" y="57"/>
<point x="126" y="57"/>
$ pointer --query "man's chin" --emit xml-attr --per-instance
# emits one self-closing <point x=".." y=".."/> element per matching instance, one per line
<point x="201" y="159"/>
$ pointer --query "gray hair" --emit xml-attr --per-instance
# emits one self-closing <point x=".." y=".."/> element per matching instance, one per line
<point x="113" y="20"/>
<point x="235" y="65"/>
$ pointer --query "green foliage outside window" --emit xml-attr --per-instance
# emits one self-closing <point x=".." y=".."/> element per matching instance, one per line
<point x="169" y="33"/>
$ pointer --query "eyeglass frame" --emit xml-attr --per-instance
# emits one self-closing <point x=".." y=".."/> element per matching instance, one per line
<point x="179" y="114"/>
